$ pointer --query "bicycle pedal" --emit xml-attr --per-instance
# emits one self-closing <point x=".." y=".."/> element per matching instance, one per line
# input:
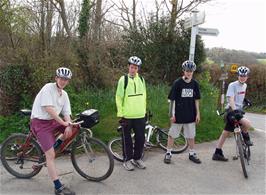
<point x="67" y="151"/>
<point x="36" y="166"/>
<point x="148" y="145"/>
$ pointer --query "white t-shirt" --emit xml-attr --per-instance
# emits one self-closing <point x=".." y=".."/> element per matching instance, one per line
<point x="237" y="90"/>
<point x="49" y="96"/>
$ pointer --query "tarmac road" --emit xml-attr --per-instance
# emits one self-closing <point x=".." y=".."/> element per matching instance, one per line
<point x="180" y="177"/>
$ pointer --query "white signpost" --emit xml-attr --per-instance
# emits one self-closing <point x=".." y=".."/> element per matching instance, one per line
<point x="200" y="19"/>
<point x="193" y="22"/>
<point x="208" y="31"/>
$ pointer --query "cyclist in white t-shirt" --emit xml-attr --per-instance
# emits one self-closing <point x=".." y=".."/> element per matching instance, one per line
<point x="50" y="102"/>
<point x="235" y="97"/>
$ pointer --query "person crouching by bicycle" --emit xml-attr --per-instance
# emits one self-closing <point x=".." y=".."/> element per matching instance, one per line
<point x="51" y="101"/>
<point x="184" y="111"/>
<point x="131" y="109"/>
<point x="235" y="97"/>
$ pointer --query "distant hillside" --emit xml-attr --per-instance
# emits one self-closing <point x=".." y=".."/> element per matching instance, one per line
<point x="235" y="56"/>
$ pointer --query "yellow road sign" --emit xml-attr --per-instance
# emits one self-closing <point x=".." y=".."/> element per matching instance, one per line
<point x="233" y="68"/>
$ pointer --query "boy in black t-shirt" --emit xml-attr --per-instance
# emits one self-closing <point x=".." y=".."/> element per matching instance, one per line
<point x="184" y="110"/>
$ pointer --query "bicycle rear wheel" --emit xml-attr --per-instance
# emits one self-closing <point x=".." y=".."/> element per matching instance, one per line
<point x="116" y="148"/>
<point x="180" y="143"/>
<point x="91" y="158"/>
<point x="19" y="156"/>
<point x="239" y="143"/>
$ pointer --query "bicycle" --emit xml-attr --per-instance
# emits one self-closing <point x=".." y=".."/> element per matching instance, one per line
<point x="21" y="154"/>
<point x="242" y="149"/>
<point x="180" y="143"/>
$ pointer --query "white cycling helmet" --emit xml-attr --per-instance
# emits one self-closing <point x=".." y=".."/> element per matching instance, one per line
<point x="134" y="60"/>
<point x="64" y="73"/>
<point x="188" y="65"/>
<point x="243" y="71"/>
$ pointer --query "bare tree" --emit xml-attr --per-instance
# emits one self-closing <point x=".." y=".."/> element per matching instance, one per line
<point x="134" y="7"/>
<point x="181" y="7"/>
<point x="98" y="21"/>
<point x="42" y="28"/>
<point x="127" y="15"/>
<point x="49" y="19"/>
<point x="62" y="10"/>
<point x="173" y="16"/>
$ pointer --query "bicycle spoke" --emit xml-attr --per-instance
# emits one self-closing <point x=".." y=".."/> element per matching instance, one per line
<point x="93" y="160"/>
<point x="18" y="156"/>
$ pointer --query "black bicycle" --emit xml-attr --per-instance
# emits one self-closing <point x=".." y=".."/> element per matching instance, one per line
<point x="242" y="149"/>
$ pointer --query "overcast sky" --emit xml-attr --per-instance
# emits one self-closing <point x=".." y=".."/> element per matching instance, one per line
<point x="241" y="23"/>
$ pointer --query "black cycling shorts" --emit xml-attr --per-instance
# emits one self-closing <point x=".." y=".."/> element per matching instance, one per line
<point x="229" y="126"/>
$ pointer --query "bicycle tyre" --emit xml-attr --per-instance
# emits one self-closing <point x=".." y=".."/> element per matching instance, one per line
<point x="116" y="148"/>
<point x="7" y="150"/>
<point x="96" y="151"/>
<point x="180" y="143"/>
<point x="241" y="155"/>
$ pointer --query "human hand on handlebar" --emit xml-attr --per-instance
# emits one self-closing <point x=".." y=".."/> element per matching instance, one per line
<point x="238" y="114"/>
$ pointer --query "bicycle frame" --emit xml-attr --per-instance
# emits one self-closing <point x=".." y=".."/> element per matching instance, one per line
<point x="65" y="144"/>
<point x="22" y="156"/>
<point x="150" y="131"/>
<point x="237" y="131"/>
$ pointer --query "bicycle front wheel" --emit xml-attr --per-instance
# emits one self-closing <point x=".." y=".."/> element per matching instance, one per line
<point x="241" y="154"/>
<point x="91" y="158"/>
<point x="180" y="143"/>
<point x="20" y="156"/>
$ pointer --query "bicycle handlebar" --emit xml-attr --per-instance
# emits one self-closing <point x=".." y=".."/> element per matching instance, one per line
<point x="76" y="123"/>
<point x="246" y="103"/>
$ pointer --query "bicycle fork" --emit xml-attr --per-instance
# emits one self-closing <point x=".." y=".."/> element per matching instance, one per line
<point x="236" y="132"/>
<point x="147" y="137"/>
<point x="245" y="148"/>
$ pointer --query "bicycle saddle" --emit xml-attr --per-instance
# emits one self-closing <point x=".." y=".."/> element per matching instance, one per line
<point x="25" y="112"/>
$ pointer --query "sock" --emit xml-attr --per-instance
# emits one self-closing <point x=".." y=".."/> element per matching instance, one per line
<point x="57" y="184"/>
<point x="169" y="151"/>
<point x="57" y="143"/>
<point x="191" y="152"/>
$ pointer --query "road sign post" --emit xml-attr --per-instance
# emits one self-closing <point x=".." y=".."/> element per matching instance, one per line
<point x="193" y="37"/>
<point x="193" y="22"/>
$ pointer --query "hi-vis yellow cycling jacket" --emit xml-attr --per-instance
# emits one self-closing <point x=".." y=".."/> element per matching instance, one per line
<point x="131" y="102"/>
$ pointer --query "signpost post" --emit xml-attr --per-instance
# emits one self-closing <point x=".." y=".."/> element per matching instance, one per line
<point x="192" y="22"/>
<point x="222" y="78"/>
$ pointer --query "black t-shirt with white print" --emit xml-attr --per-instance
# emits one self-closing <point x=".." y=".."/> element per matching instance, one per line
<point x="184" y="94"/>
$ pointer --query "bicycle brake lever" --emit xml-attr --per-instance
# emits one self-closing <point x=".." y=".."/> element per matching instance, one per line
<point x="217" y="112"/>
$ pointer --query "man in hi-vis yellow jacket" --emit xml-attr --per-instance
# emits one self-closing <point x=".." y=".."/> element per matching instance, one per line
<point x="131" y="109"/>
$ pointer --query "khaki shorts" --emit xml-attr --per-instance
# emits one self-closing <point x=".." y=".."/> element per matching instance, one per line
<point x="189" y="130"/>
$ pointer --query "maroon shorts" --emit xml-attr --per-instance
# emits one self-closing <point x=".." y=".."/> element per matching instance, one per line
<point x="45" y="131"/>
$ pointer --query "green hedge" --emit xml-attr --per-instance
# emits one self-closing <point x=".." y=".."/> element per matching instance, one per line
<point x="104" y="101"/>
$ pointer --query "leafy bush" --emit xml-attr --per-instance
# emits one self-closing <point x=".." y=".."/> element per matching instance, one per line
<point x="15" y="83"/>
<point x="256" y="90"/>
<point x="162" y="51"/>
<point x="104" y="101"/>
